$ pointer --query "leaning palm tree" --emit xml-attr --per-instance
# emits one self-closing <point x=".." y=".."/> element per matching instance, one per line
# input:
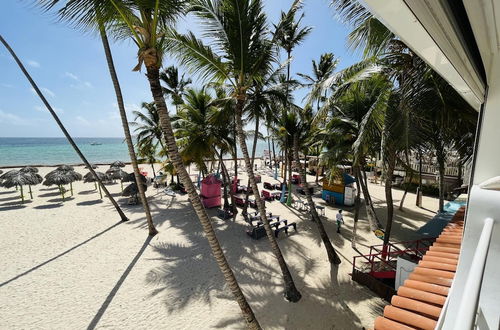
<point x="61" y="126"/>
<point x="96" y="16"/>
<point x="302" y="132"/>
<point x="175" y="86"/>
<point x="238" y="30"/>
<point x="146" y="23"/>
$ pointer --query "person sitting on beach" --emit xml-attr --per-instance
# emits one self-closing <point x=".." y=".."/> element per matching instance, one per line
<point x="340" y="220"/>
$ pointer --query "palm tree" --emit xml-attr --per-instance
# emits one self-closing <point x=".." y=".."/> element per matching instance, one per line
<point x="94" y="16"/>
<point x="146" y="23"/>
<point x="175" y="85"/>
<point x="147" y="126"/>
<point x="321" y="71"/>
<point x="244" y="55"/>
<point x="303" y="132"/>
<point x="289" y="34"/>
<point x="61" y="126"/>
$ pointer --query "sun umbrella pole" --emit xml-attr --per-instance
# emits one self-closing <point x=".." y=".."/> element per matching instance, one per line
<point x="71" y="187"/>
<point x="121" y="184"/>
<point x="95" y="185"/>
<point x="100" y="192"/>
<point x="22" y="195"/>
<point x="31" y="193"/>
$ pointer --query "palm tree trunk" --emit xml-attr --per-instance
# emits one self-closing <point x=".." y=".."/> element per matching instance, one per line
<point x="330" y="251"/>
<point x="128" y="138"/>
<point x="419" y="191"/>
<point x="290" y="173"/>
<point x="225" y="178"/>
<point x="153" y="168"/>
<point x="390" y="164"/>
<point x="291" y="292"/>
<point x="357" y="205"/>
<point x="61" y="126"/>
<point x="406" y="190"/>
<point x="441" y="169"/>
<point x="254" y="148"/>
<point x="153" y="74"/>
<point x="370" y="210"/>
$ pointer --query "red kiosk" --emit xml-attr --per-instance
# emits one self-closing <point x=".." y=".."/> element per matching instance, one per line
<point x="211" y="191"/>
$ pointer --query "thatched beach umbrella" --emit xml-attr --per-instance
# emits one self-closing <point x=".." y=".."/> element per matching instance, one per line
<point x="61" y="178"/>
<point x="89" y="177"/>
<point x="117" y="163"/>
<point x="70" y="172"/>
<point x="37" y="178"/>
<point x="65" y="168"/>
<point x="117" y="173"/>
<point x="132" y="190"/>
<point x="17" y="178"/>
<point x="131" y="178"/>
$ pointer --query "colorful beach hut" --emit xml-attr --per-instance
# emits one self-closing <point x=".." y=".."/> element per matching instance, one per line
<point x="211" y="191"/>
<point x="339" y="190"/>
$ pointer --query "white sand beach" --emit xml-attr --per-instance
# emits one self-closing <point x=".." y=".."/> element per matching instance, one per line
<point x="74" y="265"/>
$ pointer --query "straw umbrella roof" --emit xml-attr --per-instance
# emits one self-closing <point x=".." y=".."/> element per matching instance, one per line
<point x="116" y="173"/>
<point x="18" y="178"/>
<point x="58" y="178"/>
<point x="131" y="178"/>
<point x="117" y="163"/>
<point x="132" y="190"/>
<point x="89" y="177"/>
<point x="65" y="168"/>
<point x="29" y="169"/>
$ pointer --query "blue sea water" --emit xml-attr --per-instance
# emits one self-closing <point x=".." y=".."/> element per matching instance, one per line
<point x="51" y="151"/>
<point x="54" y="151"/>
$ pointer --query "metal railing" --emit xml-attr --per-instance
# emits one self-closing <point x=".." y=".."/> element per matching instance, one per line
<point x="469" y="303"/>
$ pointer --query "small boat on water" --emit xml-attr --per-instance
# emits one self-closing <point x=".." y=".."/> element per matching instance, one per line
<point x="95" y="143"/>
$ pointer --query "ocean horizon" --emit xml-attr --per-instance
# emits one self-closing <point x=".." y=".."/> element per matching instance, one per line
<point x="21" y="151"/>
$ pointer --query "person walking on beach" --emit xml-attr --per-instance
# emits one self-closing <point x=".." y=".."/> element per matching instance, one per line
<point x="340" y="220"/>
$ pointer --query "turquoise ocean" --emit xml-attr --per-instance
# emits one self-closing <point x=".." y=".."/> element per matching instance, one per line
<point x="55" y="151"/>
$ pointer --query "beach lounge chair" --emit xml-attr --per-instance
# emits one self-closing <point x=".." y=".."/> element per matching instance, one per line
<point x="285" y="228"/>
<point x="224" y="214"/>
<point x="268" y="186"/>
<point x="256" y="232"/>
<point x="266" y="195"/>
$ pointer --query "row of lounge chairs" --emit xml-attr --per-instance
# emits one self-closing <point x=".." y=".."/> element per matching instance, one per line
<point x="258" y="231"/>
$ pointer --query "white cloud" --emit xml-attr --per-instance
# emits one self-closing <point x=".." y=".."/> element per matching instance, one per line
<point x="82" y="120"/>
<point x="71" y="76"/>
<point x="33" y="63"/>
<point x="11" y="119"/>
<point x="80" y="83"/>
<point x="44" y="90"/>
<point x="7" y="85"/>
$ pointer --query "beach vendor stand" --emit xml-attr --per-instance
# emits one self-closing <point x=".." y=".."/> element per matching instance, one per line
<point x="339" y="190"/>
<point x="211" y="191"/>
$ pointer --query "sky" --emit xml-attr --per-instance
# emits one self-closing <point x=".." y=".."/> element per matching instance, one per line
<point x="70" y="68"/>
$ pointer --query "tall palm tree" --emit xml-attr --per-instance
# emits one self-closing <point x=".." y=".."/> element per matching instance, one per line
<point x="146" y="23"/>
<point x="302" y="132"/>
<point x="147" y="126"/>
<point x="321" y="71"/>
<point x="175" y="86"/>
<point x="289" y="34"/>
<point x="61" y="126"/>
<point x="242" y="55"/>
<point x="95" y="17"/>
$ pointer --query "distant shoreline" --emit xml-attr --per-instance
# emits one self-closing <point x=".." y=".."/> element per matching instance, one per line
<point x="98" y="164"/>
